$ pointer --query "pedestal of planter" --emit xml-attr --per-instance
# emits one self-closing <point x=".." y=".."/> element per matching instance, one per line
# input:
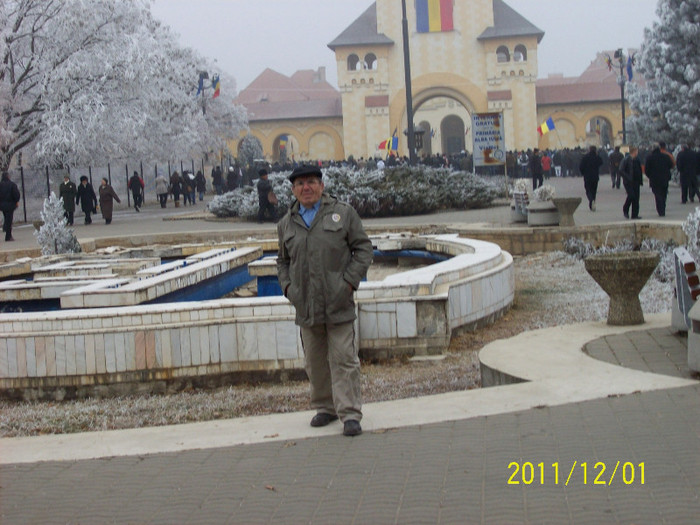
<point x="542" y="213"/>
<point x="622" y="276"/>
<point x="566" y="207"/>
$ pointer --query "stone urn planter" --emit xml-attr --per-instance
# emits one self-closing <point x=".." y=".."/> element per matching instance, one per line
<point x="566" y="206"/>
<point x="622" y="276"/>
<point x="542" y="213"/>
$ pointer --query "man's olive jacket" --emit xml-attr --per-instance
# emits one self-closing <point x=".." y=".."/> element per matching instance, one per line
<point x="315" y="264"/>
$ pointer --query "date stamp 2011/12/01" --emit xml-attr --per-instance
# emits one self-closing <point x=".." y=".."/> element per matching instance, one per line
<point x="597" y="473"/>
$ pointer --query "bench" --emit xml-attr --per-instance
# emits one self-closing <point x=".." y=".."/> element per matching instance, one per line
<point x="686" y="290"/>
<point x="518" y="209"/>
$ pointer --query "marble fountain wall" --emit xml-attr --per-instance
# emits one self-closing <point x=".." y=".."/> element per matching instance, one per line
<point x="125" y="347"/>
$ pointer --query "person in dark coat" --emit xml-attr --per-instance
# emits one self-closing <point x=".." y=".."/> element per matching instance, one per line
<point x="535" y="169"/>
<point x="175" y="187"/>
<point x="217" y="180"/>
<point x="9" y="201"/>
<point x="686" y="162"/>
<point x="590" y="169"/>
<point x="68" y="191"/>
<point x="264" y="189"/>
<point x="631" y="173"/>
<point x="658" y="168"/>
<point x="136" y="186"/>
<point x="86" y="198"/>
<point x="615" y="159"/>
<point x="201" y="184"/>
<point x="107" y="198"/>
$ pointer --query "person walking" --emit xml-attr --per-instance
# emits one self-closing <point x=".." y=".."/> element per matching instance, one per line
<point x="615" y="159"/>
<point x="217" y="180"/>
<point x="686" y="162"/>
<point x="201" y="184"/>
<point x="631" y="174"/>
<point x="264" y="204"/>
<point x="107" y="198"/>
<point x="535" y="169"/>
<point x="86" y="198"/>
<point x="9" y="202"/>
<point x="136" y="185"/>
<point x="590" y="169"/>
<point x="68" y="191"/>
<point x="162" y="190"/>
<point x="658" y="168"/>
<point x="175" y="187"/>
<point x="323" y="255"/>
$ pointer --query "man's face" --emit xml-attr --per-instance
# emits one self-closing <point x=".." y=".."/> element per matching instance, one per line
<point x="308" y="190"/>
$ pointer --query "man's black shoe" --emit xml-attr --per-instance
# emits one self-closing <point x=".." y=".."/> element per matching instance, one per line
<point x="352" y="428"/>
<point x="322" y="419"/>
<point x="627" y="215"/>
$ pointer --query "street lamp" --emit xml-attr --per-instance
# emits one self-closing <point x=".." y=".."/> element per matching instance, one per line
<point x="409" y="96"/>
<point x="620" y="57"/>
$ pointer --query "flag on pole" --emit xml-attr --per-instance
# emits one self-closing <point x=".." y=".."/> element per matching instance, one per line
<point x="630" y="63"/>
<point x="283" y="141"/>
<point x="216" y="85"/>
<point x="390" y="144"/>
<point x="609" y="62"/>
<point x="434" y="16"/>
<point x="200" y="86"/>
<point x="546" y="127"/>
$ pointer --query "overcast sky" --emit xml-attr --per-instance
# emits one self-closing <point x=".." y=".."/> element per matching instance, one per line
<point x="247" y="36"/>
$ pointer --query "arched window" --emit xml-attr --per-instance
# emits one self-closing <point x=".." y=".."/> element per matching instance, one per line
<point x="520" y="53"/>
<point x="503" y="54"/>
<point x="370" y="61"/>
<point x="353" y="62"/>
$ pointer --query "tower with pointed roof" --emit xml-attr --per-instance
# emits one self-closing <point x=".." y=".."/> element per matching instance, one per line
<point x="479" y="56"/>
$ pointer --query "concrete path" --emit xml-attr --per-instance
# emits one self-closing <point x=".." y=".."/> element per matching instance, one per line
<point x="606" y="429"/>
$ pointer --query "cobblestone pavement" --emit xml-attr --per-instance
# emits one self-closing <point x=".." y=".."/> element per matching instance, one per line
<point x="629" y="459"/>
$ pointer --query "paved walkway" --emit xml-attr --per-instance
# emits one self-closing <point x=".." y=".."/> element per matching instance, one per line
<point x="607" y="435"/>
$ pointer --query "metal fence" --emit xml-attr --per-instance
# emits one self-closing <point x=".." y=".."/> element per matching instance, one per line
<point x="35" y="185"/>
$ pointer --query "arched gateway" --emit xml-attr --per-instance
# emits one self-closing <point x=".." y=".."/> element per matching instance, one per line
<point x="481" y="56"/>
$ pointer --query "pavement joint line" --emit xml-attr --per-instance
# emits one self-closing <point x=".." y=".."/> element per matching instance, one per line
<point x="552" y="360"/>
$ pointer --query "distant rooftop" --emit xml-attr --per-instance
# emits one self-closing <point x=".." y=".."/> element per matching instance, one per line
<point x="507" y="22"/>
<point x="306" y="94"/>
<point x="363" y="31"/>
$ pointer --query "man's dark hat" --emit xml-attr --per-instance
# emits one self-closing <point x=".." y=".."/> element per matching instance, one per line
<point x="83" y="178"/>
<point x="305" y="171"/>
<point x="262" y="172"/>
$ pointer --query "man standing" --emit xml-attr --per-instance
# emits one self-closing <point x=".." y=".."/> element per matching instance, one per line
<point x="590" y="169"/>
<point x="535" y="168"/>
<point x="615" y="160"/>
<point x="658" y="169"/>
<point x="323" y="255"/>
<point x="687" y="170"/>
<point x="136" y="186"/>
<point x="68" y="192"/>
<point x="9" y="201"/>
<point x="86" y="198"/>
<point x="631" y="173"/>
<point x="264" y="204"/>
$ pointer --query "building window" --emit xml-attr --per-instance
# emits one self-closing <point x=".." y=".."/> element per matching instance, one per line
<point x="353" y="62"/>
<point x="370" y="61"/>
<point x="503" y="54"/>
<point x="520" y="53"/>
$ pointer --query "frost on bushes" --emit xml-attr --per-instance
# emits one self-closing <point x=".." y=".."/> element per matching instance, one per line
<point x="521" y="186"/>
<point x="691" y="228"/>
<point x="544" y="193"/>
<point x="243" y="202"/>
<point x="54" y="236"/>
<point x="373" y="193"/>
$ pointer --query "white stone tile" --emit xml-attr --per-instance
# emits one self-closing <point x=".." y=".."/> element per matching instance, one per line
<point x="100" y="355"/>
<point x="192" y="334"/>
<point x="406" y="319"/>
<point x="121" y="349"/>
<point x="204" y="345"/>
<point x="165" y="348"/>
<point x="386" y="325"/>
<point x="31" y="357"/>
<point x="247" y="341"/>
<point x="90" y="366"/>
<point x="287" y="336"/>
<point x="4" y="365"/>
<point x="60" y="354"/>
<point x="71" y="368"/>
<point x="368" y="323"/>
<point x="110" y="353"/>
<point x="80" y="367"/>
<point x="228" y="343"/>
<point x="175" y="348"/>
<point x="185" y="346"/>
<point x="12" y="357"/>
<point x="267" y="340"/>
<point x="214" y="352"/>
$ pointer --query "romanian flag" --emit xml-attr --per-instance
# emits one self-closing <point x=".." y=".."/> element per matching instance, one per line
<point x="434" y="16"/>
<point x="283" y="141"/>
<point x="390" y="144"/>
<point x="216" y="85"/>
<point x="546" y="127"/>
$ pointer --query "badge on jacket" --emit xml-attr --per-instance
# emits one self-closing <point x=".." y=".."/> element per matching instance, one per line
<point x="335" y="217"/>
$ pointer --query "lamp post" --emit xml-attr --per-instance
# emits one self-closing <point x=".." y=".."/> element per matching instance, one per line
<point x="620" y="57"/>
<point x="409" y="95"/>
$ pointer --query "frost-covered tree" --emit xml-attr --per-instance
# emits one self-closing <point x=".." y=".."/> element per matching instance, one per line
<point x="55" y="236"/>
<point x="88" y="79"/>
<point x="250" y="150"/>
<point x="668" y="106"/>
